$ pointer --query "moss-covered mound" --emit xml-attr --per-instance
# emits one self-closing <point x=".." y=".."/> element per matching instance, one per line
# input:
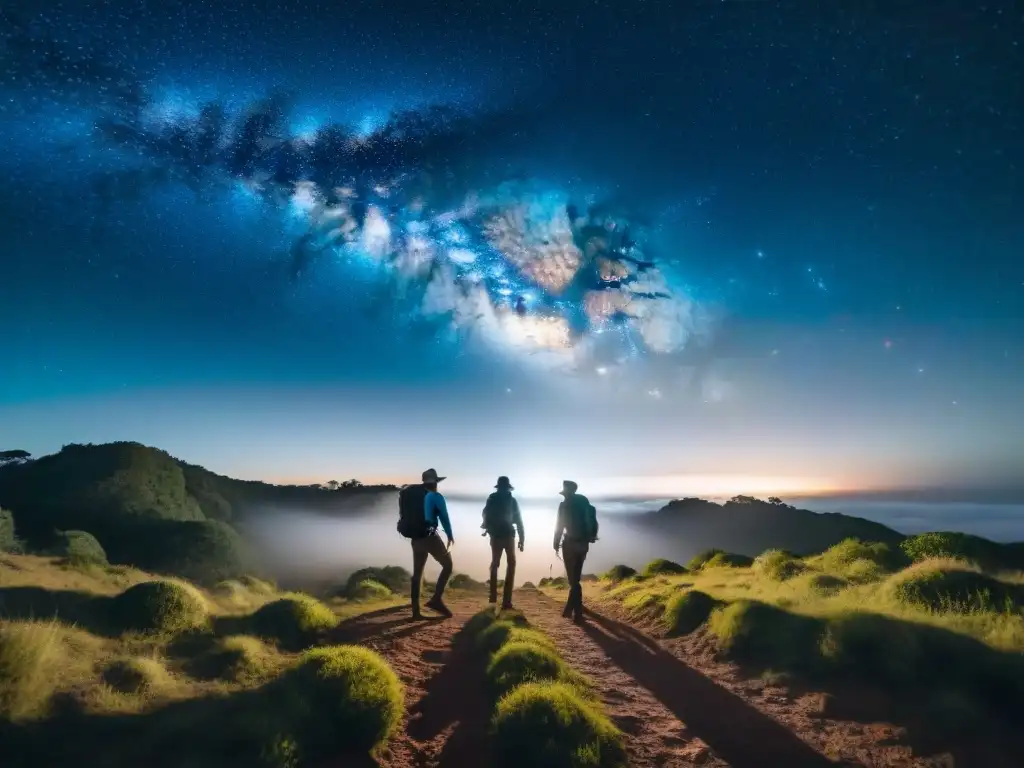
<point x="778" y="564"/>
<point x="135" y="675"/>
<point x="80" y="548"/>
<point x="663" y="567"/>
<point x="520" y="662"/>
<point x="551" y="725"/>
<point x="294" y="622"/>
<point x="619" y="573"/>
<point x="344" y="700"/>
<point x="159" y="606"/>
<point x="687" y="611"/>
<point x="951" y="586"/>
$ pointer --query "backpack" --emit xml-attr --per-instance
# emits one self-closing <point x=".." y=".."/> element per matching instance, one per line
<point x="498" y="515"/>
<point x="581" y="524"/>
<point x="412" y="521"/>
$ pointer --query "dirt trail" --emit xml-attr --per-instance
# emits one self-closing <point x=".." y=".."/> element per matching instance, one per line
<point x="673" y="716"/>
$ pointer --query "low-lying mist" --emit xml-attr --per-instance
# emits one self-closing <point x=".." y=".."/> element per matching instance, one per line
<point x="304" y="548"/>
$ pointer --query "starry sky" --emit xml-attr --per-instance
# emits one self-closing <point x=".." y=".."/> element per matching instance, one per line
<point x="832" y="194"/>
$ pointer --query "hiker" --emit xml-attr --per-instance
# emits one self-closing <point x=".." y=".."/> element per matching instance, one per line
<point x="420" y="509"/>
<point x="577" y="520"/>
<point x="501" y="519"/>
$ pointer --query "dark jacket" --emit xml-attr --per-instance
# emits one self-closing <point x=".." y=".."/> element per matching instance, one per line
<point x="503" y="508"/>
<point x="577" y="519"/>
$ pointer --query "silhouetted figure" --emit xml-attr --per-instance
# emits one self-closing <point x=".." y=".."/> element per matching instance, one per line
<point x="520" y="306"/>
<point x="501" y="520"/>
<point x="577" y="521"/>
<point x="420" y="509"/>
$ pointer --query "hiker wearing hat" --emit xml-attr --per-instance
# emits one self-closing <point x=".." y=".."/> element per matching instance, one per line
<point x="501" y="519"/>
<point x="420" y="509"/>
<point x="577" y="522"/>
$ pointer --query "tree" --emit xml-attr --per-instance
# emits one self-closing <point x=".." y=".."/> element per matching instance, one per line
<point x="332" y="485"/>
<point x="351" y="484"/>
<point x="775" y="500"/>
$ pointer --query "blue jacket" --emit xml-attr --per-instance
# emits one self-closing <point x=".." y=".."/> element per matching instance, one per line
<point x="436" y="511"/>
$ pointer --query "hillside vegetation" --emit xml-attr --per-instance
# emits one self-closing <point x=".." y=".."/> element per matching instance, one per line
<point x="141" y="507"/>
<point x="110" y="660"/>
<point x="936" y="612"/>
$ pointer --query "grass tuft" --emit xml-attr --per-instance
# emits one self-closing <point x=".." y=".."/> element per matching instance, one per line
<point x="136" y="675"/>
<point x="294" y="621"/>
<point x="619" y="573"/>
<point x="662" y="566"/>
<point x="32" y="656"/>
<point x="551" y="725"/>
<point x="159" y="607"/>
<point x="687" y="611"/>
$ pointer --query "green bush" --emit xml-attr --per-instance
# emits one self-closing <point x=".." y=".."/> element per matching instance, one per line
<point x="948" y="587"/>
<point x="8" y="540"/>
<point x="369" y="589"/>
<point x="778" y="564"/>
<point x="686" y="611"/>
<point x="824" y="583"/>
<point x="873" y="646"/>
<point x="394" y="577"/>
<point x="662" y="566"/>
<point x="344" y="700"/>
<point x="848" y="552"/>
<point x="80" y="548"/>
<point x="960" y="546"/>
<point x="549" y="725"/>
<point x="516" y="663"/>
<point x="294" y="622"/>
<point x="759" y="633"/>
<point x="239" y="659"/>
<point x="257" y="586"/>
<point x="619" y="573"/>
<point x="698" y="560"/>
<point x="463" y="581"/>
<point x="135" y="675"/>
<point x="728" y="560"/>
<point x="159" y="606"/>
<point x="491" y="639"/>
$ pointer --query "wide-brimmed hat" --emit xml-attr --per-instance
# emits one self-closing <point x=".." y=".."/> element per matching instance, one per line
<point x="504" y="482"/>
<point x="568" y="488"/>
<point x="431" y="476"/>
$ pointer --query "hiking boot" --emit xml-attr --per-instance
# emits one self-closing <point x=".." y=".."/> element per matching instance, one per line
<point x="567" y="612"/>
<point x="436" y="604"/>
<point x="416" y="615"/>
<point x="507" y="605"/>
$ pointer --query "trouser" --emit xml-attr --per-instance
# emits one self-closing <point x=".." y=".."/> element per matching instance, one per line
<point x="506" y="544"/>
<point x="422" y="548"/>
<point x="574" y="554"/>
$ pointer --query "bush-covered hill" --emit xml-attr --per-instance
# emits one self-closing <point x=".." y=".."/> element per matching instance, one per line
<point x="146" y="508"/>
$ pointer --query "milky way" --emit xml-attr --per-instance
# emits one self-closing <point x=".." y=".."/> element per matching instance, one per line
<point x="567" y="284"/>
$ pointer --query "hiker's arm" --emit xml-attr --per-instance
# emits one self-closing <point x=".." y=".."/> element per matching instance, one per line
<point x="441" y="511"/>
<point x="560" y="525"/>
<point x="517" y="520"/>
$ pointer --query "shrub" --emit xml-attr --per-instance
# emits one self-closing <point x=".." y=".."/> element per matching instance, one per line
<point x="640" y="604"/>
<point x="987" y="554"/>
<point x="293" y="621"/>
<point x="462" y="581"/>
<point x="80" y="548"/>
<point x="662" y="566"/>
<point x="8" y="540"/>
<point x="159" y="606"/>
<point x="687" y="611"/>
<point x="869" y="644"/>
<point x="589" y="577"/>
<point x="257" y="586"/>
<point x="698" y="560"/>
<point x="529" y="585"/>
<point x="728" y="560"/>
<point x="619" y="573"/>
<point x="825" y="583"/>
<point x="516" y="663"/>
<point x="369" y="589"/>
<point x="847" y="552"/>
<point x="950" y="586"/>
<point x="239" y="659"/>
<point x="550" y="725"/>
<point x="344" y="700"/>
<point x="491" y="639"/>
<point x="764" y="634"/>
<point x="778" y="564"/>
<point x="31" y="658"/>
<point x="135" y="675"/>
<point x="394" y="577"/>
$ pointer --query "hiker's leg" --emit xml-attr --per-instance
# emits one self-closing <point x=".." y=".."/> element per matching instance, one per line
<point x="440" y="553"/>
<point x="569" y="558"/>
<point x="575" y="584"/>
<point x="510" y="569"/>
<point x="419" y="560"/>
<point x="497" y="545"/>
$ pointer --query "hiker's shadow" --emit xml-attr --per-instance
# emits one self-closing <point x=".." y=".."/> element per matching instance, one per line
<point x="738" y="733"/>
<point x="455" y="699"/>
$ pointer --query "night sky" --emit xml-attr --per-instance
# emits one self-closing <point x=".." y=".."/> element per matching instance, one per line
<point x="831" y="196"/>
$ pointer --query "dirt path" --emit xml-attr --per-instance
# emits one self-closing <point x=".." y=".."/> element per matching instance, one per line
<point x="672" y="714"/>
<point x="446" y="705"/>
